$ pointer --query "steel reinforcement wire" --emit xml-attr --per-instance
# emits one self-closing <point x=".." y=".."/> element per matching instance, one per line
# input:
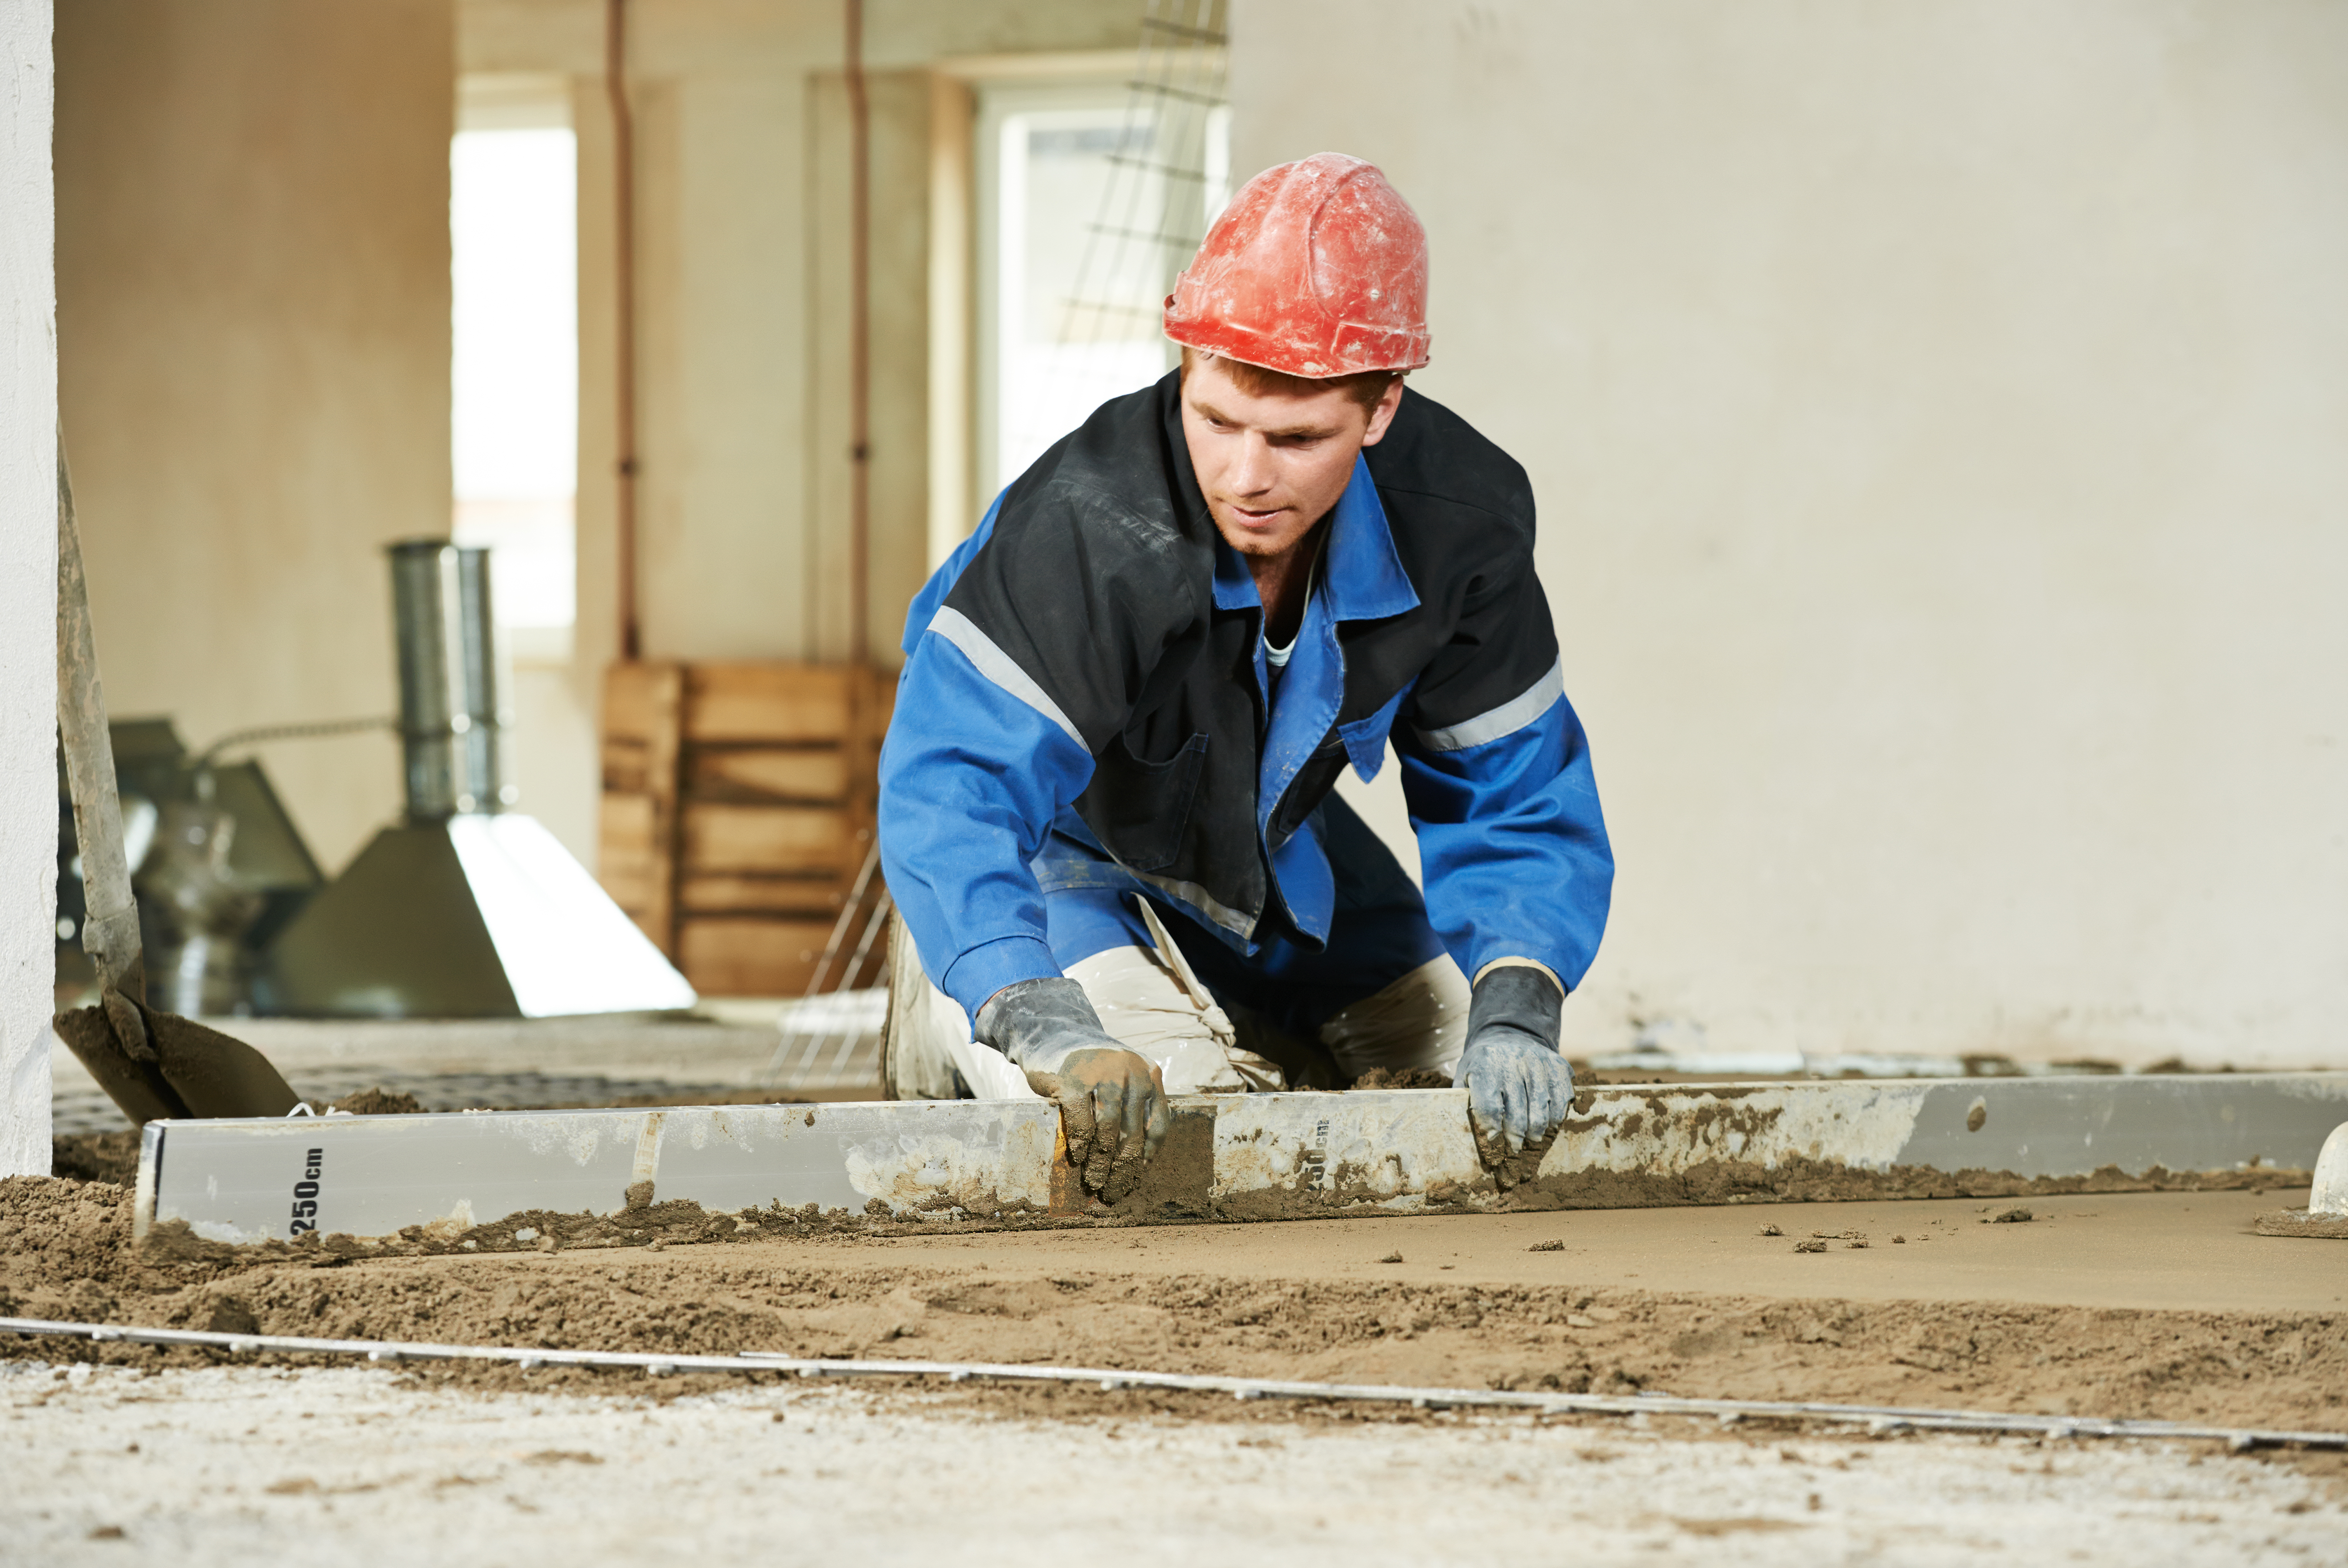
<point x="1879" y="1419"/>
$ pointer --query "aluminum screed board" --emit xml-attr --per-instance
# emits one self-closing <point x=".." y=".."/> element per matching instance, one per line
<point x="1264" y="1156"/>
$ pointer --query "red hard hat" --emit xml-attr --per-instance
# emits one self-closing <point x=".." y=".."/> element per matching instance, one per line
<point x="1316" y="268"/>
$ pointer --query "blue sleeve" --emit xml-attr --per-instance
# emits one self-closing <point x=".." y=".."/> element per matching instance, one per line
<point x="971" y="775"/>
<point x="1037" y="632"/>
<point x="1511" y="842"/>
<point x="924" y="607"/>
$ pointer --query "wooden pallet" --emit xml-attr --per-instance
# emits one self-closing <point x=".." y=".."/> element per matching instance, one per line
<point x="738" y="804"/>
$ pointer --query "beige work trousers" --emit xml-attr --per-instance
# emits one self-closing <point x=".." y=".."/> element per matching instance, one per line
<point x="1149" y="1000"/>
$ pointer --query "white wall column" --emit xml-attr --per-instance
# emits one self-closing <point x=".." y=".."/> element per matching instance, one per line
<point x="28" y="586"/>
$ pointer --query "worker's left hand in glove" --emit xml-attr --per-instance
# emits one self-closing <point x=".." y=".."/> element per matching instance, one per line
<point x="1112" y="1100"/>
<point x="1520" y="1089"/>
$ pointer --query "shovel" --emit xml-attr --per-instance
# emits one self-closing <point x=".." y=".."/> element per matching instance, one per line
<point x="153" y="1065"/>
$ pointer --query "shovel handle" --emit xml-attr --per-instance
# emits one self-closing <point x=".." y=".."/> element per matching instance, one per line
<point x="109" y="930"/>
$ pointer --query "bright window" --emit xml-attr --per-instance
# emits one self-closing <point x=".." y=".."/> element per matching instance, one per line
<point x="514" y="253"/>
<point x="1090" y="203"/>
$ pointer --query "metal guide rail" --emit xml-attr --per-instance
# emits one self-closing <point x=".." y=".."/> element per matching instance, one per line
<point x="1258" y="1156"/>
<point x="1877" y="1419"/>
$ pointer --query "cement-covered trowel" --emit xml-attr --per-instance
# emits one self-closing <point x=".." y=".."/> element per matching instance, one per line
<point x="153" y="1065"/>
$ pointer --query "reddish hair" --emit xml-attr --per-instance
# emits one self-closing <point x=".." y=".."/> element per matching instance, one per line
<point x="1364" y="387"/>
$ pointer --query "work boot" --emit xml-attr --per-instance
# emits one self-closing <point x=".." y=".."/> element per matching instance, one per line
<point x="915" y="1061"/>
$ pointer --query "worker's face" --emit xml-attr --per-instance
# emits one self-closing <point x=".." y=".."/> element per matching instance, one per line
<point x="1271" y="467"/>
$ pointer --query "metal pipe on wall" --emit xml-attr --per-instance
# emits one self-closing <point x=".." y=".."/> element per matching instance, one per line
<point x="623" y="283"/>
<point x="859" y="350"/>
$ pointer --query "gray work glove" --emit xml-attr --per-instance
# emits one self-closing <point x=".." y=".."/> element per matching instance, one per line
<point x="1112" y="1101"/>
<point x="1518" y="1089"/>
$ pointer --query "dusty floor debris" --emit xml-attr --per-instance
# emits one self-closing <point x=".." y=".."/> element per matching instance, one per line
<point x="230" y="1466"/>
<point x="2119" y="1307"/>
<point x="2151" y="1305"/>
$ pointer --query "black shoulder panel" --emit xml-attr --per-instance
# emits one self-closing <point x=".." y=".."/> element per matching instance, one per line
<point x="1096" y="570"/>
<point x="1431" y="452"/>
<point x="1462" y="514"/>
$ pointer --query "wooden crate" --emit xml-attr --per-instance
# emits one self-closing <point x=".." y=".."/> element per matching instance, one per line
<point x="636" y="837"/>
<point x="803" y="773"/>
<point x="738" y="807"/>
<point x="750" y="892"/>
<point x="738" y="955"/>
<point x="771" y="704"/>
<point x="805" y="841"/>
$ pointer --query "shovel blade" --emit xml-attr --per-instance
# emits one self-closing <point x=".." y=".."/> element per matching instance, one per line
<point x="197" y="1071"/>
<point x="213" y="1074"/>
<point x="137" y="1087"/>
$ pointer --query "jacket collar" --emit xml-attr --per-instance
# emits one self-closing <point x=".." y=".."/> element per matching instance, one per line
<point x="1362" y="575"/>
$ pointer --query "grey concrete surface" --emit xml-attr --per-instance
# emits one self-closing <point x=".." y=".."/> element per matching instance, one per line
<point x="232" y="1466"/>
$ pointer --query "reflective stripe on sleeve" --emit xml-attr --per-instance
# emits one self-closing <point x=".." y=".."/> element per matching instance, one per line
<point x="999" y="666"/>
<point x="1506" y="719"/>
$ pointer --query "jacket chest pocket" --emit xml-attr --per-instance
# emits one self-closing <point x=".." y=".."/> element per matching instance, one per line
<point x="1365" y="738"/>
<point x="1362" y="743"/>
<point x="1308" y="788"/>
<point x="1137" y="810"/>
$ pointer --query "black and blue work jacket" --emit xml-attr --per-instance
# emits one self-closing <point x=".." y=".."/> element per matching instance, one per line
<point x="1087" y="668"/>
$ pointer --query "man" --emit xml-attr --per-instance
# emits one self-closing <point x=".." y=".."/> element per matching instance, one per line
<point x="1106" y="807"/>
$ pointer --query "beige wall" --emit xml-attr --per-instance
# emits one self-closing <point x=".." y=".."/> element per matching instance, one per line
<point x="741" y="163"/>
<point x="1936" y="413"/>
<point x="253" y="322"/>
<point x="741" y="166"/>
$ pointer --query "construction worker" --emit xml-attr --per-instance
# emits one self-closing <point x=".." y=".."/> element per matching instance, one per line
<point x="1106" y="798"/>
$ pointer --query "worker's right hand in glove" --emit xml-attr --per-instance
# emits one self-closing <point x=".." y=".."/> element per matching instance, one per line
<point x="1520" y="1089"/>
<point x="1112" y="1101"/>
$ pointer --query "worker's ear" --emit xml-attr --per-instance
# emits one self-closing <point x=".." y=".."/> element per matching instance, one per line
<point x="1382" y="413"/>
